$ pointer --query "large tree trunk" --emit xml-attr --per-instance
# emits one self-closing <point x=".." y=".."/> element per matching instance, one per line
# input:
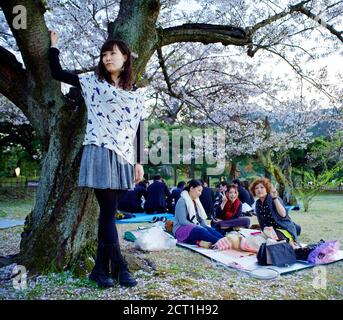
<point x="64" y="221"/>
<point x="233" y="174"/>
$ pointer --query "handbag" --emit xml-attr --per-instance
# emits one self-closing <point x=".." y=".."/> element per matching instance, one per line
<point x="280" y="254"/>
<point x="304" y="252"/>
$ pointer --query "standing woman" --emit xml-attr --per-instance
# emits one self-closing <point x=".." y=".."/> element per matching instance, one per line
<point x="108" y="162"/>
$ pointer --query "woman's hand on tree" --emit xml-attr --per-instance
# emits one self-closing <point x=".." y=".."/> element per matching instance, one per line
<point x="53" y="37"/>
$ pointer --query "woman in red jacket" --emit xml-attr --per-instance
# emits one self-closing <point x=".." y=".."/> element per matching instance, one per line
<point x="229" y="212"/>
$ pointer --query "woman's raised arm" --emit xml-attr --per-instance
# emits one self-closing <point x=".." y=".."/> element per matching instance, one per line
<point x="56" y="70"/>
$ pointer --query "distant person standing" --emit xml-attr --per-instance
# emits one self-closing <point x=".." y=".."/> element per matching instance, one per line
<point x="157" y="193"/>
<point x="174" y="196"/>
<point x="207" y="199"/>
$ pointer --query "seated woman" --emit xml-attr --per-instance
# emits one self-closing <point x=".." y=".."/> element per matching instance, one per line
<point x="229" y="212"/>
<point x="271" y="212"/>
<point x="189" y="221"/>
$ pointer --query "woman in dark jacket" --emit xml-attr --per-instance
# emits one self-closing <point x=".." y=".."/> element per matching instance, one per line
<point x="229" y="212"/>
<point x="271" y="212"/>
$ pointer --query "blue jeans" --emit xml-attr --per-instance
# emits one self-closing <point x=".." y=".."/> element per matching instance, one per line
<point x="203" y="233"/>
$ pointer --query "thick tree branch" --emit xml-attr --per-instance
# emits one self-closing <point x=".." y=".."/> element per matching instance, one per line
<point x="13" y="79"/>
<point x="204" y="33"/>
<point x="33" y="41"/>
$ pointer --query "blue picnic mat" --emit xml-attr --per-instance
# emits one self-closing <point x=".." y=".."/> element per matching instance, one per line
<point x="144" y="217"/>
<point x="9" y="223"/>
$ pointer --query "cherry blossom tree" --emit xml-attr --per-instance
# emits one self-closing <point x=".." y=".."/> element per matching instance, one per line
<point x="166" y="39"/>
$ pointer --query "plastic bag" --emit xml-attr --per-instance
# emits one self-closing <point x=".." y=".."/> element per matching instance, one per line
<point x="155" y="239"/>
<point x="324" y="253"/>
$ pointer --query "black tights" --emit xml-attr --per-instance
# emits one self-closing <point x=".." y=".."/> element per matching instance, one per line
<point x="108" y="201"/>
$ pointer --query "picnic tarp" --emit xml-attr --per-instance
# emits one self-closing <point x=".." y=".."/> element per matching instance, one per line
<point x="9" y="223"/>
<point x="145" y="217"/>
<point x="246" y="261"/>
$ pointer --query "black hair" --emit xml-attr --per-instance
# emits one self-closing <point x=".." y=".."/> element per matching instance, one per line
<point x="246" y="184"/>
<point x="237" y="181"/>
<point x="232" y="186"/>
<point x="181" y="184"/>
<point x="142" y="184"/>
<point x="157" y="177"/>
<point x="223" y="183"/>
<point x="192" y="184"/>
<point x="125" y="77"/>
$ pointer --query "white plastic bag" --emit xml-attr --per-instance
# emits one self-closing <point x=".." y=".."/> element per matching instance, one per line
<point x="155" y="239"/>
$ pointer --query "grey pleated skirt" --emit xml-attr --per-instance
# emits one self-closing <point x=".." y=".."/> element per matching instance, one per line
<point x="102" y="168"/>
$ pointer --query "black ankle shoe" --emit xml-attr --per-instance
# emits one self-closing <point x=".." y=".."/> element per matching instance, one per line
<point x="126" y="279"/>
<point x="101" y="279"/>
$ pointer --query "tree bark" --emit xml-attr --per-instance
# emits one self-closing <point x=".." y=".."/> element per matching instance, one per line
<point x="233" y="174"/>
<point x="63" y="223"/>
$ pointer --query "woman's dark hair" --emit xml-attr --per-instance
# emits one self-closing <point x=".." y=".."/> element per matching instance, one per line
<point x="125" y="77"/>
<point x="192" y="184"/>
<point x="157" y="177"/>
<point x="181" y="184"/>
<point x="237" y="181"/>
<point x="231" y="186"/>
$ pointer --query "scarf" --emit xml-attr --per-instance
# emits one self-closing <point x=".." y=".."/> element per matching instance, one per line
<point x="231" y="208"/>
<point x="191" y="208"/>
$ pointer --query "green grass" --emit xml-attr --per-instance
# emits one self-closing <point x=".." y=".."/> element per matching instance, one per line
<point x="16" y="203"/>
<point x="324" y="220"/>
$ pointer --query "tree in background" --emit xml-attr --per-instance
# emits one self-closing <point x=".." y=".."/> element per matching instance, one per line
<point x="322" y="167"/>
<point x="63" y="222"/>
